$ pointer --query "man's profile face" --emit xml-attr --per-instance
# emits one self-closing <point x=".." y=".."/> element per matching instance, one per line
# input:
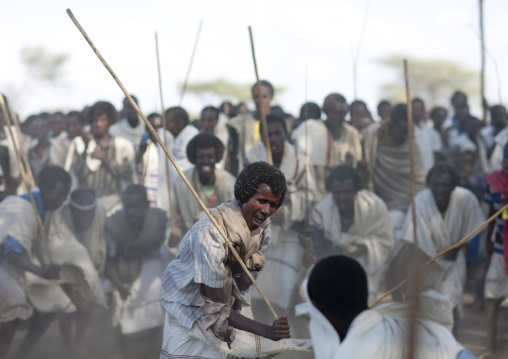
<point x="418" y="111"/>
<point x="344" y="195"/>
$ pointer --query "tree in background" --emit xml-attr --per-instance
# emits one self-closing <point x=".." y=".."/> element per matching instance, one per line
<point x="434" y="80"/>
<point x="43" y="68"/>
<point x="224" y="89"/>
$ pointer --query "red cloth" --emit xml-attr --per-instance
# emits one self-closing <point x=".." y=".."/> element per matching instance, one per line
<point x="498" y="181"/>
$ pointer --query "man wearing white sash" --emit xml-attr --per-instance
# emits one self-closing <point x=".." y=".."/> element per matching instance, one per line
<point x="284" y="255"/>
<point x="353" y="221"/>
<point x="445" y="214"/>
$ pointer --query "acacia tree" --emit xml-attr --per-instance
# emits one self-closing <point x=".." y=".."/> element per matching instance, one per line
<point x="222" y="88"/>
<point x="433" y="80"/>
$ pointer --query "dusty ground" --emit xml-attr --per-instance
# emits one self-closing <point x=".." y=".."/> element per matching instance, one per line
<point x="100" y="342"/>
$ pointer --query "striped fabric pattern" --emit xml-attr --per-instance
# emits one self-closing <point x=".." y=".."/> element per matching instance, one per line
<point x="200" y="260"/>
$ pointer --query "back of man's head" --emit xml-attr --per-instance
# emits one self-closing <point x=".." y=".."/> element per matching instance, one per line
<point x="338" y="286"/>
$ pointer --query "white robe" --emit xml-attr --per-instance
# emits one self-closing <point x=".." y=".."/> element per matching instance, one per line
<point x="313" y="139"/>
<point x="428" y="142"/>
<point x="382" y="332"/>
<point x="177" y="146"/>
<point x="372" y="228"/>
<point x="123" y="129"/>
<point x="436" y="233"/>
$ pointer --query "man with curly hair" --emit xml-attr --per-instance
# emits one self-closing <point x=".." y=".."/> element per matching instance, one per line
<point x="203" y="288"/>
<point x="100" y="161"/>
<point x="213" y="185"/>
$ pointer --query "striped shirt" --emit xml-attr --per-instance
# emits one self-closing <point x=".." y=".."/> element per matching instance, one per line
<point x="199" y="261"/>
<point x="496" y="200"/>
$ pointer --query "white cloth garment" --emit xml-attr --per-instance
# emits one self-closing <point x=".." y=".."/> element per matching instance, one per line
<point x="381" y="332"/>
<point x="123" y="129"/>
<point x="436" y="233"/>
<point x="496" y="281"/>
<point x="313" y="139"/>
<point x="371" y="228"/>
<point x="142" y="309"/>
<point x="428" y="142"/>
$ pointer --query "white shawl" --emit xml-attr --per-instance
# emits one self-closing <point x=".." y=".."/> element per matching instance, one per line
<point x="372" y="228"/>
<point x="436" y="233"/>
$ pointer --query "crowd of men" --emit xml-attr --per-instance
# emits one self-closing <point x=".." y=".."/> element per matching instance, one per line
<point x="108" y="227"/>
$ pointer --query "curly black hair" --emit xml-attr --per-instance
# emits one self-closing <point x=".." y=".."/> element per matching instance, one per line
<point x="254" y="175"/>
<point x="440" y="169"/>
<point x="342" y="173"/>
<point x="204" y="141"/>
<point x="103" y="107"/>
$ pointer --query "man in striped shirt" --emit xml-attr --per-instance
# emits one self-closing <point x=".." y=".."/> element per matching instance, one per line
<point x="203" y="288"/>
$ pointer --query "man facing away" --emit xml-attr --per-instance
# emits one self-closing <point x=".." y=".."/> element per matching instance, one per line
<point x="342" y="326"/>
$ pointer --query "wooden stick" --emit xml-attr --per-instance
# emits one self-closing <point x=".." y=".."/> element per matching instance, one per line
<point x="24" y="155"/>
<point x="164" y="148"/>
<point x="412" y="337"/>
<point x="184" y="88"/>
<point x="455" y="246"/>
<point x="411" y="149"/>
<point x="23" y="173"/>
<point x="164" y="126"/>
<point x="261" y="110"/>
<point x="482" y="74"/>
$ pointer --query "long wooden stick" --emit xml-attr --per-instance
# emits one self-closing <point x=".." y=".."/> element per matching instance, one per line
<point x="455" y="246"/>
<point x="24" y="155"/>
<point x="261" y="110"/>
<point x="164" y="127"/>
<point x="24" y="175"/>
<point x="184" y="88"/>
<point x="412" y="337"/>
<point x="482" y="74"/>
<point x="164" y="148"/>
<point x="411" y="149"/>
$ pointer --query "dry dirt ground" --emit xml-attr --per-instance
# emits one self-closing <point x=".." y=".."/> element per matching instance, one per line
<point x="100" y="341"/>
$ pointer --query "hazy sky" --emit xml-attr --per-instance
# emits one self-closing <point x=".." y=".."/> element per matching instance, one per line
<point x="289" y="36"/>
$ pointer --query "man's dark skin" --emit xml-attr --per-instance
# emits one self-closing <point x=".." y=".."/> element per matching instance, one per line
<point x="261" y="204"/>
<point x="130" y="113"/>
<point x="335" y="117"/>
<point x="51" y="199"/>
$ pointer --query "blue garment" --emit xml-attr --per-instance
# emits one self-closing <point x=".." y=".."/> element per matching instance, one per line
<point x="12" y="244"/>
<point x="465" y="354"/>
